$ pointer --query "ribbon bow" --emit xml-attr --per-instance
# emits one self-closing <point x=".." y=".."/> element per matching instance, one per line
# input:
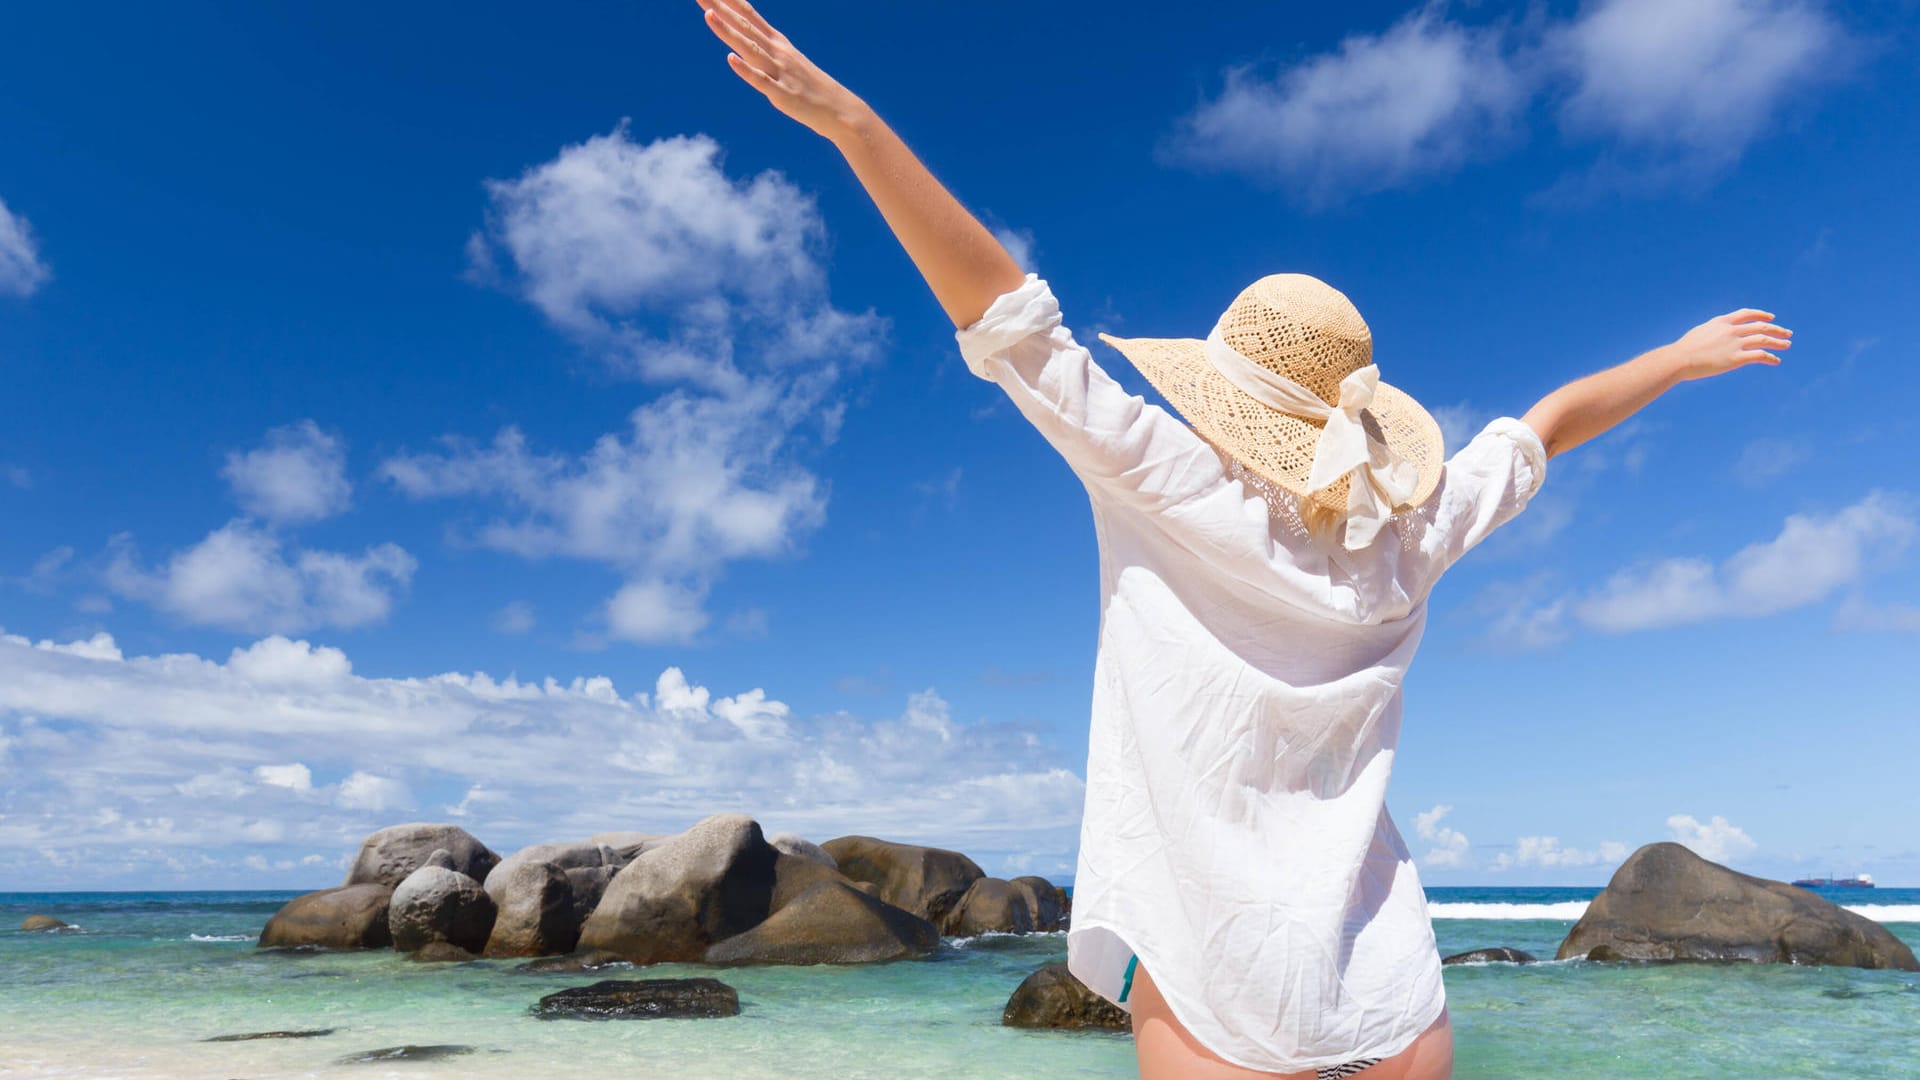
<point x="1346" y="446"/>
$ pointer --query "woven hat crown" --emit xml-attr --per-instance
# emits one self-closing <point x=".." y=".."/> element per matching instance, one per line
<point x="1300" y="327"/>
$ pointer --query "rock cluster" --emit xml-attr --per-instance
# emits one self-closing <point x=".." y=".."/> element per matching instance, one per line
<point x="718" y="893"/>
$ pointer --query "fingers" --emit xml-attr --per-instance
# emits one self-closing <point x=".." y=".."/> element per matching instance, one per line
<point x="1757" y="356"/>
<point x="753" y="17"/>
<point x="1747" y="315"/>
<point x="736" y="34"/>
<point x="755" y="78"/>
<point x="1765" y="341"/>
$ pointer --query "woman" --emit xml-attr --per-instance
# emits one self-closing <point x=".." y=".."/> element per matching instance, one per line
<point x="1241" y="890"/>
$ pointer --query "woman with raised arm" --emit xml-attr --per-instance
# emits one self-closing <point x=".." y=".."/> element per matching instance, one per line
<point x="1264" y="574"/>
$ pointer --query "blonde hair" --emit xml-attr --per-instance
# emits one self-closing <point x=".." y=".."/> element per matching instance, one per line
<point x="1322" y="522"/>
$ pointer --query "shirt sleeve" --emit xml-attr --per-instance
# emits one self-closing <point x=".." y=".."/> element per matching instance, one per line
<point x="1486" y="484"/>
<point x="1112" y="440"/>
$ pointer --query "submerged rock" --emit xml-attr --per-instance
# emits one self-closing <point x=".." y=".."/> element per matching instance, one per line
<point x="641" y="999"/>
<point x="405" y="1053"/>
<point x="442" y="952"/>
<point x="347" y="917"/>
<point x="575" y="964"/>
<point x="437" y="904"/>
<point x="388" y="856"/>
<point x="830" y="923"/>
<point x="705" y="885"/>
<point x="44" y="922"/>
<point x="1053" y="998"/>
<point x="1667" y="903"/>
<point x="926" y="881"/>
<point x="1499" y="954"/>
<point x="310" y="1033"/>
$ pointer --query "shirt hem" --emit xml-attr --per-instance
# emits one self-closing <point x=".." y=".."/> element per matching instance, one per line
<point x="1182" y="1012"/>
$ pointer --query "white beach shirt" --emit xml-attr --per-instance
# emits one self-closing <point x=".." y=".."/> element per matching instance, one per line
<point x="1246" y="705"/>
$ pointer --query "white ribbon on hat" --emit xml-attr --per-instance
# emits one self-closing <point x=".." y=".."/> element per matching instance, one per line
<point x="1345" y="447"/>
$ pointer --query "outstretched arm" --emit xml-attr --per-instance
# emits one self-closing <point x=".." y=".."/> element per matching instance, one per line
<point x="1588" y="407"/>
<point x="962" y="262"/>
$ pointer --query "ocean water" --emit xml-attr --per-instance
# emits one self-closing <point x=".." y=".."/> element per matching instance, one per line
<point x="147" y="976"/>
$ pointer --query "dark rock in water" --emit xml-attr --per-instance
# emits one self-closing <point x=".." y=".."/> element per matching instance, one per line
<point x="705" y="885"/>
<point x="992" y="904"/>
<point x="641" y="999"/>
<point x="1053" y="998"/>
<point x="441" y="952"/>
<point x="348" y="917"/>
<point x="43" y="922"/>
<point x="437" y="904"/>
<point x="388" y="856"/>
<point x="405" y="1053"/>
<point x="1499" y="954"/>
<point x="926" y="881"/>
<point x="831" y="923"/>
<point x="1667" y="903"/>
<point x="1049" y="902"/>
<point x="312" y="1033"/>
<point x="575" y="964"/>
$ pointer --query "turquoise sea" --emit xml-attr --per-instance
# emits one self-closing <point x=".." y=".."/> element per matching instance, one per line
<point x="147" y="976"/>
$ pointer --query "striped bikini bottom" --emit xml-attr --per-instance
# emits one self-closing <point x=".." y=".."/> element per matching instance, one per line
<point x="1324" y="1072"/>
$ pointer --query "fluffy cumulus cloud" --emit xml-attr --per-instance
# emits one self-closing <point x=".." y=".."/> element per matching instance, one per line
<point x="1378" y="111"/>
<point x="177" y="768"/>
<point x="244" y="577"/>
<point x="1703" y="77"/>
<point x="1674" y="91"/>
<point x="1812" y="558"/>
<point x="1718" y="840"/>
<point x="21" y="271"/>
<point x="1451" y="848"/>
<point x="299" y="475"/>
<point x="655" y="259"/>
<point x="612" y="232"/>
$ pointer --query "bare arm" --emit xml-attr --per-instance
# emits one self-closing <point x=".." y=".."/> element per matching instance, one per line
<point x="1588" y="407"/>
<point x="962" y="262"/>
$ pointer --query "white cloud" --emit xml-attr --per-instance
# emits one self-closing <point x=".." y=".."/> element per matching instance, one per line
<point x="21" y="270"/>
<point x="1019" y="244"/>
<point x="1705" y="77"/>
<point x="365" y="791"/>
<point x="1811" y="559"/>
<point x="294" y="777"/>
<point x="298" y="476"/>
<point x="1717" y="840"/>
<point x="240" y="578"/>
<point x="275" y="661"/>
<point x="163" y="754"/>
<point x="611" y="230"/>
<point x="1546" y="852"/>
<point x="514" y="618"/>
<point x="653" y="612"/>
<point x="1858" y="613"/>
<point x="1451" y="848"/>
<point x="1379" y="111"/>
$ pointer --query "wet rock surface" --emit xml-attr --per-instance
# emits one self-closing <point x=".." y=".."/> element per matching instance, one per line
<point x="641" y="999"/>
<point x="1052" y="998"/>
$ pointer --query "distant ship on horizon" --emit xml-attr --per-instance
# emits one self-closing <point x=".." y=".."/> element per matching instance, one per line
<point x="1858" y="881"/>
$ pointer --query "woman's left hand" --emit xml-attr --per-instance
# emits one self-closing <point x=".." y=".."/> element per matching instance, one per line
<point x="770" y="64"/>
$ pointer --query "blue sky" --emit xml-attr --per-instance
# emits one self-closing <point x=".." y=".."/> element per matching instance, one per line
<point x="505" y="416"/>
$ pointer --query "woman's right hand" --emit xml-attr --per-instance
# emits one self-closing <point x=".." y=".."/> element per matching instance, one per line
<point x="770" y="64"/>
<point x="1736" y="339"/>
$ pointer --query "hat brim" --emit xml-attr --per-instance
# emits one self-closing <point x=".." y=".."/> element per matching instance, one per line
<point x="1277" y="445"/>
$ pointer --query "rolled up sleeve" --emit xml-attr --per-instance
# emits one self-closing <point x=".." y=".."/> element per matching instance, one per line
<point x="1487" y="483"/>
<point x="1110" y="438"/>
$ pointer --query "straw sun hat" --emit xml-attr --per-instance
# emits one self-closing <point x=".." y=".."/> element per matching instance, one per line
<point x="1286" y="385"/>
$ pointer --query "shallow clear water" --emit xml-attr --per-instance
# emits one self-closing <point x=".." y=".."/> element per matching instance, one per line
<point x="147" y="976"/>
